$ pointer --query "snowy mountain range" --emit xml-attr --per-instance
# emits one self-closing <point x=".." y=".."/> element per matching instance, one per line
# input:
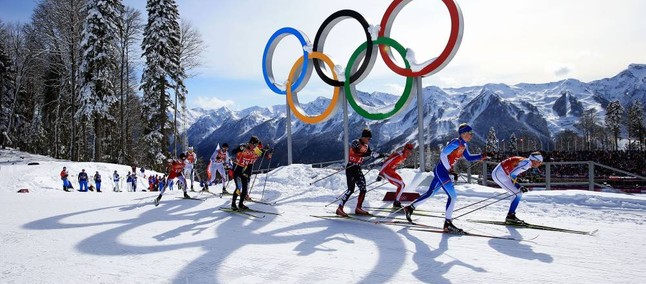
<point x="538" y="111"/>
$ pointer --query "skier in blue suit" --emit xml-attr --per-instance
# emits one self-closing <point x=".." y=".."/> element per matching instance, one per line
<point x="456" y="149"/>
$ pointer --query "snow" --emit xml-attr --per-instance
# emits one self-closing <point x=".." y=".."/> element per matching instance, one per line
<point x="51" y="236"/>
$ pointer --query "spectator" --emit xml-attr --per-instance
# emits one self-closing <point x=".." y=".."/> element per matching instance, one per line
<point x="83" y="179"/>
<point x="97" y="181"/>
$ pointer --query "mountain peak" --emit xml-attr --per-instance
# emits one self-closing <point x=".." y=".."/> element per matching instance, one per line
<point x="637" y="70"/>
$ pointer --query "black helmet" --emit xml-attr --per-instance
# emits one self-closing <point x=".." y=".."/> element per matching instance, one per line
<point x="225" y="145"/>
<point x="254" y="140"/>
<point x="463" y="128"/>
<point x="182" y="156"/>
<point x="366" y="133"/>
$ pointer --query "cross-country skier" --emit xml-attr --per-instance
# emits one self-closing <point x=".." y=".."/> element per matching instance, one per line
<point x="175" y="169"/>
<point x="450" y="154"/>
<point x="219" y="159"/>
<point x="115" y="179"/>
<point x="189" y="162"/>
<point x="83" y="179"/>
<point x="388" y="171"/>
<point x="245" y="157"/>
<point x="359" y="149"/>
<point x="506" y="176"/>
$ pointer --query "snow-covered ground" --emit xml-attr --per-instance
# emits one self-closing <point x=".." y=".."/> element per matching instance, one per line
<point x="51" y="236"/>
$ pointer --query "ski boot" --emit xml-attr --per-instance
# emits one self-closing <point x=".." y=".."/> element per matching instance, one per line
<point x="339" y="211"/>
<point x="157" y="200"/>
<point x="408" y="210"/>
<point x="234" y="207"/>
<point x="186" y="195"/>
<point x="360" y="211"/>
<point x="397" y="205"/>
<point x="450" y="228"/>
<point x="241" y="206"/>
<point x="513" y="220"/>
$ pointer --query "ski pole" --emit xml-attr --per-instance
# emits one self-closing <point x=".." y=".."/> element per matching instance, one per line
<point x="369" y="190"/>
<point x="256" y="175"/>
<point x="334" y="173"/>
<point x="490" y="203"/>
<point x="339" y="197"/>
<point x="264" y="185"/>
<point x="402" y="208"/>
<point x="480" y="201"/>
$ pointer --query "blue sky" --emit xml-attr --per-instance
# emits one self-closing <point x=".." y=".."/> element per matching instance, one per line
<point x="505" y="41"/>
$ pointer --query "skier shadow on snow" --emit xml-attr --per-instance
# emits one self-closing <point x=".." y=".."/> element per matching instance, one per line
<point x="519" y="249"/>
<point x="234" y="238"/>
<point x="430" y="270"/>
<point x="244" y="234"/>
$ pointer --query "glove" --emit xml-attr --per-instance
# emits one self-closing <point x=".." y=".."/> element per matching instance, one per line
<point x="523" y="189"/>
<point x="379" y="178"/>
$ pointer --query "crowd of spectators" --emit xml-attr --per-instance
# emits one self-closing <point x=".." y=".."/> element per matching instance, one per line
<point x="630" y="161"/>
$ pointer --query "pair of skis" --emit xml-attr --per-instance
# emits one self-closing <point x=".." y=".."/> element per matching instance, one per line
<point x="413" y="226"/>
<point x="249" y="213"/>
<point x="537" y="227"/>
<point x="522" y="225"/>
<point x="250" y="200"/>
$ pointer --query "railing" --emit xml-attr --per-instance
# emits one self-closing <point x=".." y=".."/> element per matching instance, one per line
<point x="314" y="165"/>
<point x="549" y="181"/>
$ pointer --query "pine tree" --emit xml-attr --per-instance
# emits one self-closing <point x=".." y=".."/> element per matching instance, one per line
<point x="6" y="87"/>
<point x="587" y="124"/>
<point x="162" y="73"/>
<point x="636" y="125"/>
<point x="98" y="68"/>
<point x="614" y="114"/>
<point x="513" y="144"/>
<point x="492" y="141"/>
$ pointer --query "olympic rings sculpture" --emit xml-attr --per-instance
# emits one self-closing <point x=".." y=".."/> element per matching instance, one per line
<point x="313" y="56"/>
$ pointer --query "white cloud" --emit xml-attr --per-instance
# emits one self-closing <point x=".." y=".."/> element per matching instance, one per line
<point x="212" y="103"/>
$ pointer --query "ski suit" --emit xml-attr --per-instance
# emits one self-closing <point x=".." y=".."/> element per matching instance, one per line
<point x="218" y="160"/>
<point x="505" y="175"/>
<point x="353" y="174"/>
<point x="175" y="168"/>
<point x="387" y="171"/>
<point x="245" y="157"/>
<point x="456" y="149"/>
<point x="189" y="164"/>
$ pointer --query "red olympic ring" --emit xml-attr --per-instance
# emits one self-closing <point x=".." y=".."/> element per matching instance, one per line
<point x="455" y="38"/>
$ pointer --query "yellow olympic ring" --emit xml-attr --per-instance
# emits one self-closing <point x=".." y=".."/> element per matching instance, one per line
<point x="293" y="97"/>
